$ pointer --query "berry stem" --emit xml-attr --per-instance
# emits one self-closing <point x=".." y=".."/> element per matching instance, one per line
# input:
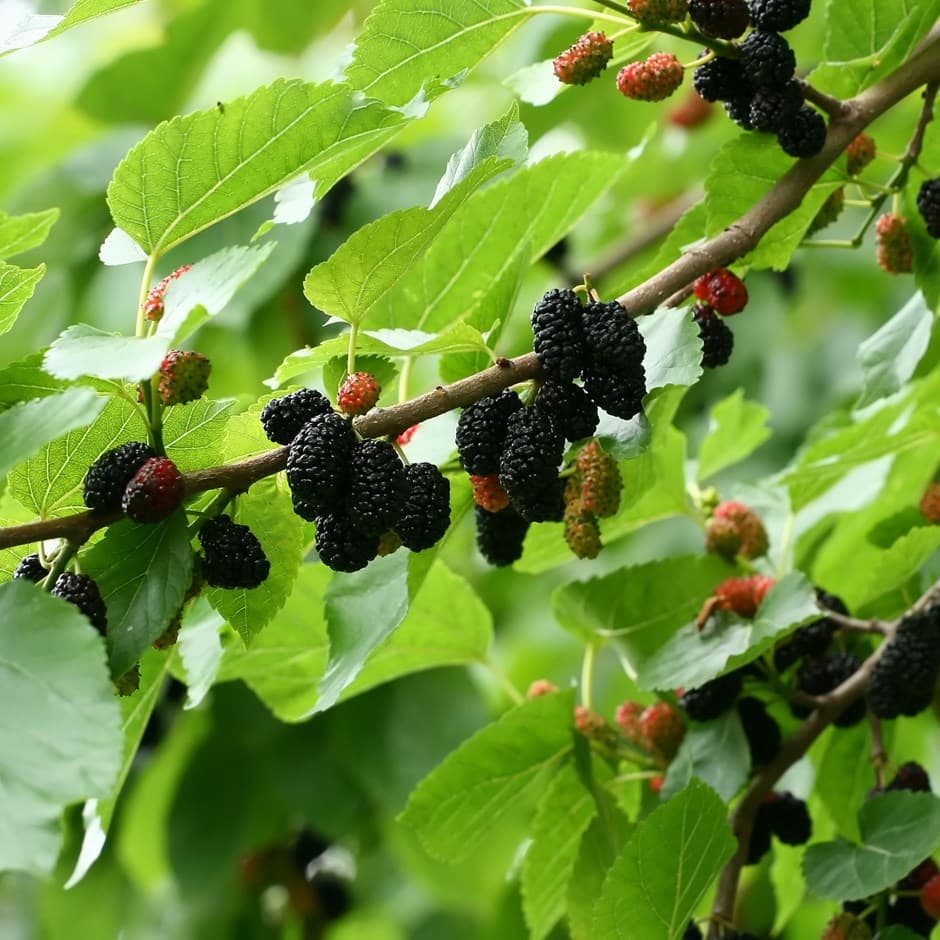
<point x="351" y="348"/>
<point x="587" y="674"/>
<point x="506" y="684"/>
<point x="215" y="508"/>
<point x="145" y="280"/>
<point x="64" y="555"/>
<point x="834" y="107"/>
<point x="581" y="13"/>
<point x="878" y="756"/>
<point x="691" y="34"/>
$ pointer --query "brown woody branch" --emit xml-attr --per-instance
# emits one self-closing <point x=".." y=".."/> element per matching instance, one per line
<point x="734" y="242"/>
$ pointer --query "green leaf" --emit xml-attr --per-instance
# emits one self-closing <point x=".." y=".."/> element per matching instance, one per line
<point x="288" y="657"/>
<point x="898" y="933"/>
<point x="844" y="776"/>
<point x="716" y="753"/>
<point x="673" y="348"/>
<point x="193" y="432"/>
<point x="898" y="563"/>
<point x="889" y="356"/>
<point x="455" y="808"/>
<point x="404" y="43"/>
<point x="84" y="10"/>
<point x="24" y="380"/>
<point x="266" y="510"/>
<point x="359" y="274"/>
<point x="22" y="232"/>
<point x="689" y="658"/>
<point x="216" y="162"/>
<point x="654" y="887"/>
<point x="28" y="427"/>
<point x="564" y="813"/>
<point x="200" y="294"/>
<point x="736" y="430"/>
<point x="899" y="830"/>
<point x="144" y="572"/>
<point x="50" y="483"/>
<point x="16" y="287"/>
<point x="60" y="729"/>
<point x="426" y="641"/>
<point x="362" y="610"/>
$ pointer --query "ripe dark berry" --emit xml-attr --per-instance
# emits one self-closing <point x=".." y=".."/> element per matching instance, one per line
<point x="812" y="639"/>
<point x="789" y="819"/>
<point x="767" y="59"/>
<point x="911" y="776"/>
<point x="773" y="108"/>
<point x="377" y="487"/>
<point x="659" y="11"/>
<point x="903" y="679"/>
<point x="615" y="389"/>
<point x="739" y="110"/>
<point x="184" y="377"/>
<point x="532" y="452"/>
<point x="778" y="15"/>
<point x="928" y="204"/>
<point x="584" y="60"/>
<point x="804" y="134"/>
<point x="717" y="338"/>
<point x="282" y="418"/>
<point x="153" y="306"/>
<point x="859" y="154"/>
<point x="722" y="290"/>
<point x="762" y="732"/>
<point x="615" y="377"/>
<point x="759" y="844"/>
<point x="720" y="79"/>
<point x="426" y="514"/>
<point x="108" y="476"/>
<point x="81" y="590"/>
<point x="481" y="430"/>
<point x="652" y="80"/>
<point x="500" y="535"/>
<point x="31" y="568"/>
<point x="570" y="406"/>
<point x="559" y="334"/>
<point x="723" y="19"/>
<point x="713" y="698"/>
<point x="318" y="462"/>
<point x="820" y="675"/>
<point x="358" y="393"/>
<point x="893" y="244"/>
<point x="154" y="491"/>
<point x="343" y="547"/>
<point x="232" y="555"/>
<point x="692" y="932"/>
<point x="543" y="504"/>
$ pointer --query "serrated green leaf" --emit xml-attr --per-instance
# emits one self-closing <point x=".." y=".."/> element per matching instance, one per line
<point x="899" y="830"/>
<point x="564" y="813"/>
<point x="404" y="43"/>
<point x="266" y="510"/>
<point x="689" y="658"/>
<point x="28" y="427"/>
<point x="673" y="348"/>
<point x="901" y="561"/>
<point x="737" y="428"/>
<point x="143" y="572"/>
<point x="16" y="287"/>
<point x="22" y="232"/>
<point x="288" y="657"/>
<point x="716" y="753"/>
<point x="84" y="10"/>
<point x="218" y="161"/>
<point x="454" y="808"/>
<point x="60" y="730"/>
<point x="193" y="432"/>
<point x="24" y="380"/>
<point x="889" y="356"/>
<point x="359" y="274"/>
<point x="654" y="887"/>
<point x="426" y="641"/>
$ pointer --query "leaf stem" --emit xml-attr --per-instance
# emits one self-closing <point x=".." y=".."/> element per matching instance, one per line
<point x="578" y="12"/>
<point x="504" y="681"/>
<point x="351" y="348"/>
<point x="587" y="674"/>
<point x="145" y="280"/>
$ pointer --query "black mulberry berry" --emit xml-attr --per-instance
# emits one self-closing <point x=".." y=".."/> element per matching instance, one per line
<point x="343" y="547"/>
<point x="716" y="335"/>
<point x="108" y="476"/>
<point x="789" y="819"/>
<point x="481" y="430"/>
<point x="571" y="407"/>
<point x="546" y="504"/>
<point x="31" y="568"/>
<point x="81" y="590"/>
<point x="618" y="391"/>
<point x="232" y="555"/>
<point x="911" y="776"/>
<point x="761" y="731"/>
<point x="426" y="513"/>
<point x="903" y="679"/>
<point x="719" y="79"/>
<point x="820" y="675"/>
<point x="377" y="487"/>
<point x="713" y="698"/>
<point x="318" y="461"/>
<point x="739" y="110"/>
<point x="767" y="59"/>
<point x="723" y="19"/>
<point x="772" y="108"/>
<point x="759" y="844"/>
<point x="559" y="334"/>
<point x="804" y="134"/>
<point x="282" y="418"/>
<point x="812" y="639"/>
<point x="778" y="15"/>
<point x="928" y="204"/>
<point x="500" y="535"/>
<point x="613" y="335"/>
<point x="692" y="932"/>
<point x="531" y="453"/>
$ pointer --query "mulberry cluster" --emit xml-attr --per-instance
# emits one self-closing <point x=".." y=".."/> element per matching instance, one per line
<point x="107" y="478"/>
<point x="781" y="815"/>
<point x="820" y="675"/>
<point x="903" y="679"/>
<point x="654" y="79"/>
<point x="714" y="698"/>
<point x="652" y="12"/>
<point x="592" y="493"/>
<point x="893" y="244"/>
<point x="31" y="568"/>
<point x="183" y="377"/>
<point x="82" y="591"/>
<point x="154" y="491"/>
<point x="361" y="497"/>
<point x="282" y="418"/>
<point x="232" y="555"/>
<point x="717" y="338"/>
<point x="735" y="529"/>
<point x="721" y="19"/>
<point x="761" y="730"/>
<point x="585" y="60"/>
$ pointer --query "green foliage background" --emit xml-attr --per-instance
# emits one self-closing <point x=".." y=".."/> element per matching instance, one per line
<point x="229" y="767"/>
